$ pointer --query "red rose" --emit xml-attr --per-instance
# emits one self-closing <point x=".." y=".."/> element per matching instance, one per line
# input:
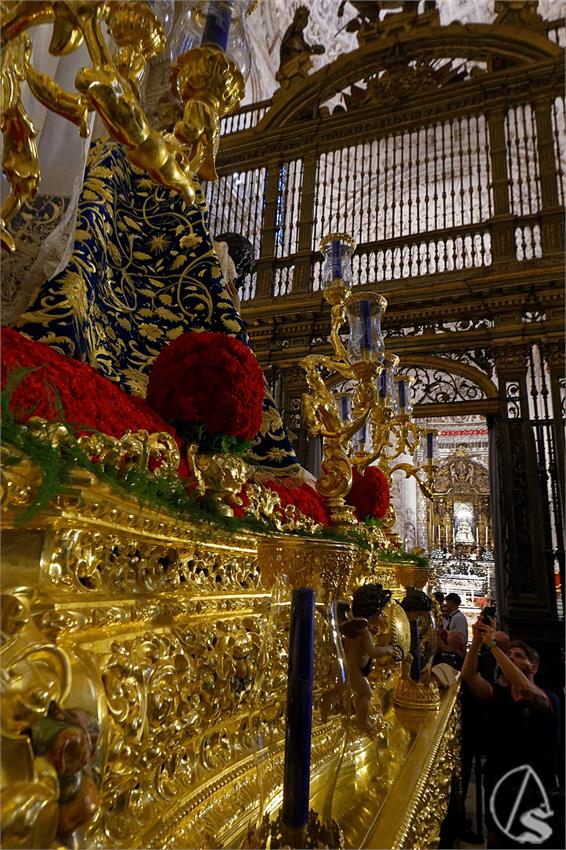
<point x="208" y="379"/>
<point x="369" y="494"/>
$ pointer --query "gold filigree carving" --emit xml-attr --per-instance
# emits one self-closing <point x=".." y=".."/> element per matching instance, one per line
<point x="20" y="160"/>
<point x="417" y="695"/>
<point x="48" y="751"/>
<point x="319" y="564"/>
<point x="220" y="476"/>
<point x="459" y="474"/>
<point x="163" y="623"/>
<point x="109" y="86"/>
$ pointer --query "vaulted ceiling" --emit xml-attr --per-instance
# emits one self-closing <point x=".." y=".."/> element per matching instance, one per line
<point x="271" y="18"/>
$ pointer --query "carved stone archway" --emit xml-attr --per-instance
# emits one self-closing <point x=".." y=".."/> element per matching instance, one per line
<point x="473" y="41"/>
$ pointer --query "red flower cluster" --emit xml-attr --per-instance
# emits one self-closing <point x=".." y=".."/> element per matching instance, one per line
<point x="369" y="494"/>
<point x="89" y="400"/>
<point x="211" y="379"/>
<point x="304" y="497"/>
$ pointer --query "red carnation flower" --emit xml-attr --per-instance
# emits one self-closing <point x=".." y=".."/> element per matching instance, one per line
<point x="369" y="494"/>
<point x="304" y="497"/>
<point x="89" y="399"/>
<point x="208" y="379"/>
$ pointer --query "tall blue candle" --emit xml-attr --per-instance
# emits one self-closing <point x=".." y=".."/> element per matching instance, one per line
<point x="402" y="399"/>
<point x="217" y="24"/>
<point x="366" y="343"/>
<point x="383" y="382"/>
<point x="336" y="258"/>
<point x="296" y="778"/>
<point x="345" y="407"/>
<point x="416" y="663"/>
<point x="429" y="445"/>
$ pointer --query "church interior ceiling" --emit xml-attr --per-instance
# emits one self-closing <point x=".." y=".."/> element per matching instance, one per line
<point x="325" y="27"/>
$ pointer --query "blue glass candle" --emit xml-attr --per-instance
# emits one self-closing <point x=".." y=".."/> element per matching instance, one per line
<point x="360" y="438"/>
<point x="402" y="397"/>
<point x="429" y="445"/>
<point x="367" y="342"/>
<point x="337" y="250"/>
<point x="296" y="778"/>
<point x="217" y="24"/>
<point x="336" y="258"/>
<point x="383" y="382"/>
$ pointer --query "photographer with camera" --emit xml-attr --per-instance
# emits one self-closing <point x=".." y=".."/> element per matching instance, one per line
<point x="522" y="725"/>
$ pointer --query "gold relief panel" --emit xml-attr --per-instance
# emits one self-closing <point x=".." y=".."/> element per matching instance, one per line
<point x="178" y="704"/>
<point x="162" y="621"/>
<point x="159" y="626"/>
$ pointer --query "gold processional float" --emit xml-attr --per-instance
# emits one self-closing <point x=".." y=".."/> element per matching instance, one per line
<point x="169" y="684"/>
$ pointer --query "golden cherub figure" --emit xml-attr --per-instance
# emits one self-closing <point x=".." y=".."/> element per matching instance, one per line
<point x="358" y="632"/>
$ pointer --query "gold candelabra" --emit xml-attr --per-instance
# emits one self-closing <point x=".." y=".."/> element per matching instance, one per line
<point x="377" y="403"/>
<point x="205" y="78"/>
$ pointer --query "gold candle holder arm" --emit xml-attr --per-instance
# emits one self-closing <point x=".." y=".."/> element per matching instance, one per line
<point x="381" y="432"/>
<point x="406" y="437"/>
<point x="127" y="122"/>
<point x="138" y="34"/>
<point x="55" y="98"/>
<point x="323" y="419"/>
<point x="337" y="319"/>
<point x="17" y="17"/>
<point x="211" y="86"/>
<point x="413" y="472"/>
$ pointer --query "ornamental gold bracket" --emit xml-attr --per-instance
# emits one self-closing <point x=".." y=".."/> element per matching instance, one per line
<point x="209" y="83"/>
<point x="375" y="404"/>
<point x="323" y="418"/>
<point x="394" y="435"/>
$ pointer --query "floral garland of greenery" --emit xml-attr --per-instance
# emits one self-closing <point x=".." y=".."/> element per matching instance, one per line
<point x="194" y="433"/>
<point x="394" y="556"/>
<point x="166" y="493"/>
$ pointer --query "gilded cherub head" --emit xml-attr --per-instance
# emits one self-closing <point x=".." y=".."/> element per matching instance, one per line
<point x="369" y="599"/>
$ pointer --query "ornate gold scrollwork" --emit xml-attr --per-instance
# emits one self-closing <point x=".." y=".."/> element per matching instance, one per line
<point x="20" y="161"/>
<point x="138" y="34"/>
<point x="211" y="86"/>
<point x="160" y="624"/>
<point x="205" y="75"/>
<point x="47" y="751"/>
<point x="321" y="564"/>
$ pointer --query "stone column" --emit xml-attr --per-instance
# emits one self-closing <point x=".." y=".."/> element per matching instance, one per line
<point x="524" y="576"/>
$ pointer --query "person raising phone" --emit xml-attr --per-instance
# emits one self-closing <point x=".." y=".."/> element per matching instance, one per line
<point x="521" y="724"/>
